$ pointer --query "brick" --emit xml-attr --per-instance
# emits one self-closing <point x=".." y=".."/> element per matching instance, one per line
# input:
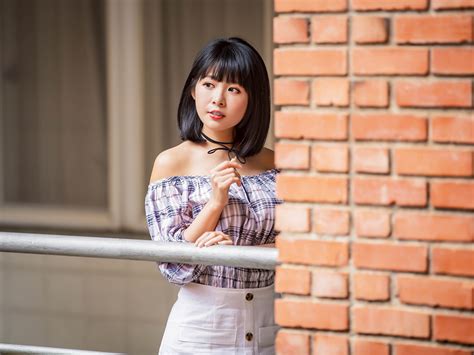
<point x="371" y="160"/>
<point x="292" y="155"/>
<point x="393" y="257"/>
<point x="450" y="261"/>
<point x="369" y="29"/>
<point x="453" y="328"/>
<point x="429" y="291"/>
<point x="389" y="5"/>
<point x="372" y="223"/>
<point x="452" y="61"/>
<point x="433" y="94"/>
<point x="366" y="347"/>
<point x="390" y="61"/>
<point x="433" y="162"/>
<point x="452" y="4"/>
<point x="330" y="284"/>
<point x="308" y="125"/>
<point x="290" y="218"/>
<point x="390" y="321"/>
<point x="371" y="287"/>
<point x="436" y="227"/>
<point x="308" y="314"/>
<point x="292" y="280"/>
<point x="312" y="188"/>
<point x="291" y="92"/>
<point x="331" y="222"/>
<point x="371" y="93"/>
<point x="389" y="127"/>
<point x="290" y="342"/>
<point x="324" y="344"/>
<point x="313" y="252"/>
<point x="420" y="29"/>
<point x="310" y="5"/>
<point x="413" y="349"/>
<point x="310" y="61"/>
<point x="451" y="194"/>
<point x="331" y="92"/>
<point x="330" y="158"/>
<point x="385" y="191"/>
<point x="329" y="29"/>
<point x="290" y="30"/>
<point x="452" y="129"/>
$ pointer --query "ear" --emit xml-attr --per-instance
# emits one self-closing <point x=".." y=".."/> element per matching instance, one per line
<point x="193" y="93"/>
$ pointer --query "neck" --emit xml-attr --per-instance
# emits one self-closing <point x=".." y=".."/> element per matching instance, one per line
<point x="222" y="137"/>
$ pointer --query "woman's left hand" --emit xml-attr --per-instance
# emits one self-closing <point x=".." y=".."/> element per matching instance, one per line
<point x="211" y="238"/>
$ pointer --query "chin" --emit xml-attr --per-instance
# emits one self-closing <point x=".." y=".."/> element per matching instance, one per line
<point x="218" y="125"/>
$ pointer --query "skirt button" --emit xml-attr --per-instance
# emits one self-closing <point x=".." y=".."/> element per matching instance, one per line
<point x="249" y="336"/>
<point x="249" y="296"/>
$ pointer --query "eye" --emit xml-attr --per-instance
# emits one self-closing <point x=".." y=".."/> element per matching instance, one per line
<point x="234" y="90"/>
<point x="207" y="84"/>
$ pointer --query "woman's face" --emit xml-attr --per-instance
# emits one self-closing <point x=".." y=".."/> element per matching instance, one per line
<point x="219" y="104"/>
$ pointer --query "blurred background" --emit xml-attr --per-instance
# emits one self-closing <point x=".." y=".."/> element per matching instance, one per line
<point x="88" y="98"/>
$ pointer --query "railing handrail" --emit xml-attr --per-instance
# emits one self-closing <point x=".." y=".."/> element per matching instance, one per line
<point x="30" y="349"/>
<point x="146" y="250"/>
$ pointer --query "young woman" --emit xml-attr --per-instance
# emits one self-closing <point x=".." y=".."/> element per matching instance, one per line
<point x="218" y="187"/>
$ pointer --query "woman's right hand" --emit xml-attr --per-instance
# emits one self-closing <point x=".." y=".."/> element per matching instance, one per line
<point x="222" y="176"/>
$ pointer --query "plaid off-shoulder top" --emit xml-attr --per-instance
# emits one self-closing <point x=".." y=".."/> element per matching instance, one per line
<point x="171" y="205"/>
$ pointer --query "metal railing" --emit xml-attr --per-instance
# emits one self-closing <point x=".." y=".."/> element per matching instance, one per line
<point x="29" y="349"/>
<point x="131" y="249"/>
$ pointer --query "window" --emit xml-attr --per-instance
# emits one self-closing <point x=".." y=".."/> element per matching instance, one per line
<point x="88" y="97"/>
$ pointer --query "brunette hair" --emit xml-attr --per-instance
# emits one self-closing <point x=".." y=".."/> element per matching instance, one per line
<point x="233" y="60"/>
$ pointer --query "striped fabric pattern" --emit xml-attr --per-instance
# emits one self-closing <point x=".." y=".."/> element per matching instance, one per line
<point x="172" y="203"/>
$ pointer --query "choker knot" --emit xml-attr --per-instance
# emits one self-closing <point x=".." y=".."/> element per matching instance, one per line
<point x="231" y="152"/>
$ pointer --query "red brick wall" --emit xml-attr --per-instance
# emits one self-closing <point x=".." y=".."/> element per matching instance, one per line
<point x="375" y="138"/>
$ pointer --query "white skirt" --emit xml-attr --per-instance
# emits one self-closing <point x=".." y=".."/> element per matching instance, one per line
<point x="214" y="320"/>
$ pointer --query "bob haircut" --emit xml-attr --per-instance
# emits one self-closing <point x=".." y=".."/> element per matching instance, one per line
<point x="233" y="60"/>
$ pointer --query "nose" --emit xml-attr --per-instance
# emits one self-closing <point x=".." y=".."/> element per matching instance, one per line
<point x="218" y="98"/>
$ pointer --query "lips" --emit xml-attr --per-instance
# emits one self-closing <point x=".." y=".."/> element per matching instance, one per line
<point x="217" y="115"/>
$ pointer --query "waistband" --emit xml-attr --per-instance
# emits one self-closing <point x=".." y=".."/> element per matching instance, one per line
<point x="210" y="294"/>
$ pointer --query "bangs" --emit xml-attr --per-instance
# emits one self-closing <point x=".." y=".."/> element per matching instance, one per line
<point x="226" y="66"/>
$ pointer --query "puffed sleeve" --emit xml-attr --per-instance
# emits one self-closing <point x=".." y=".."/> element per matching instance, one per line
<point x="168" y="214"/>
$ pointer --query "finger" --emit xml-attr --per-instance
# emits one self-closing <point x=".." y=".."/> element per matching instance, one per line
<point x="213" y="240"/>
<point x="201" y="238"/>
<point x="236" y="172"/>
<point x="239" y="177"/>
<point x="228" y="164"/>
<point x="225" y="177"/>
<point x="225" y="242"/>
<point x="219" y="238"/>
<point x="225" y="171"/>
<point x="225" y="164"/>
<point x="208" y="237"/>
<point x="226" y="183"/>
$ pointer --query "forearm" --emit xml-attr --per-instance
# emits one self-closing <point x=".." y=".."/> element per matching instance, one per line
<point x="205" y="221"/>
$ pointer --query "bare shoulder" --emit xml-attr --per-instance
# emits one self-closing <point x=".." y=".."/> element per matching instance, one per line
<point x="267" y="157"/>
<point x="169" y="162"/>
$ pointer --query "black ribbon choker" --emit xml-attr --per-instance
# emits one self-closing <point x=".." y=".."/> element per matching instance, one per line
<point x="231" y="152"/>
